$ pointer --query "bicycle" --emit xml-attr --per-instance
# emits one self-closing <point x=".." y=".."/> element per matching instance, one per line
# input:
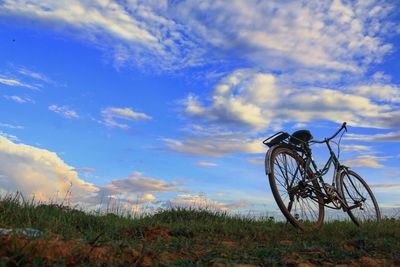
<point x="300" y="190"/>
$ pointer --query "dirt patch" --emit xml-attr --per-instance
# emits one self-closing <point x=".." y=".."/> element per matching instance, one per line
<point x="47" y="249"/>
<point x="72" y="252"/>
<point x="147" y="258"/>
<point x="129" y="233"/>
<point x="370" y="262"/>
<point x="168" y="257"/>
<point x="295" y="258"/>
<point x="285" y="242"/>
<point x="291" y="259"/>
<point x="245" y="265"/>
<point x="305" y="264"/>
<point x="230" y="243"/>
<point x="158" y="231"/>
<point x="365" y="261"/>
<point x="219" y="264"/>
<point x="147" y="261"/>
<point x="101" y="254"/>
<point x="349" y="247"/>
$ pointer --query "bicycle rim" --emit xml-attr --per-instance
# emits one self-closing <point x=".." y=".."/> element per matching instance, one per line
<point x="359" y="197"/>
<point x="292" y="196"/>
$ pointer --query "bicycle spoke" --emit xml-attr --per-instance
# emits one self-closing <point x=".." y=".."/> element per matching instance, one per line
<point x="297" y="189"/>
<point x="294" y="193"/>
<point x="359" y="199"/>
<point x="288" y="172"/>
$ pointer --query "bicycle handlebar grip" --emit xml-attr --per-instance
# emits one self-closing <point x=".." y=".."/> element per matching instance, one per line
<point x="344" y="126"/>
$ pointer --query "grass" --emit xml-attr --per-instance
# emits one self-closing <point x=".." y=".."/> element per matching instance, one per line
<point x="184" y="237"/>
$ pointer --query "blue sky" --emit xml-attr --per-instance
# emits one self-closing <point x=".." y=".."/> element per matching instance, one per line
<point x="157" y="103"/>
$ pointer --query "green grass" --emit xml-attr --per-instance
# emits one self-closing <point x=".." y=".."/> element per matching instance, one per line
<point x="183" y="237"/>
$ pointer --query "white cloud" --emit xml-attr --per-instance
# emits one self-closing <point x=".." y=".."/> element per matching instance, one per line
<point x="381" y="92"/>
<point x="33" y="74"/>
<point x="111" y="113"/>
<point x="369" y="161"/>
<point x="9" y="136"/>
<point x="206" y="164"/>
<point x="352" y="148"/>
<point x="142" y="198"/>
<point x="200" y="201"/>
<point x="332" y="104"/>
<point x="385" y="187"/>
<point x="259" y="100"/>
<point x="39" y="172"/>
<point x="19" y="99"/>
<point x="14" y="82"/>
<point x="64" y="111"/>
<point x="215" y="145"/>
<point x="11" y="126"/>
<point x="132" y="31"/>
<point x="311" y="76"/>
<point x="257" y="161"/>
<point x="103" y="15"/>
<point x="134" y="190"/>
<point x="137" y="183"/>
<point x="334" y="35"/>
<point x="385" y="137"/>
<point x="35" y="78"/>
<point x="236" y="205"/>
<point x="84" y="170"/>
<point x="381" y="77"/>
<point x="43" y="174"/>
<point x="239" y="98"/>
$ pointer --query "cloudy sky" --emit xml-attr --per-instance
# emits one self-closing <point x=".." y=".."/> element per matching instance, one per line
<point x="158" y="103"/>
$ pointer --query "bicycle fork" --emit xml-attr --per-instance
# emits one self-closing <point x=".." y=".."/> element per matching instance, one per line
<point x="345" y="206"/>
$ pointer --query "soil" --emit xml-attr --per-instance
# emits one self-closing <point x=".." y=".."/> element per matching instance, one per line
<point x="75" y="252"/>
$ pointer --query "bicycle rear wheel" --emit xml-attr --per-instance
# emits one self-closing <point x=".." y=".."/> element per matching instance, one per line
<point x="356" y="193"/>
<point x="300" y="201"/>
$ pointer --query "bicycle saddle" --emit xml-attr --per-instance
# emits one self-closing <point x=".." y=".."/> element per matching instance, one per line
<point x="300" y="136"/>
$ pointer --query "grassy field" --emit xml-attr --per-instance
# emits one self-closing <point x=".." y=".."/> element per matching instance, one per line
<point x="184" y="237"/>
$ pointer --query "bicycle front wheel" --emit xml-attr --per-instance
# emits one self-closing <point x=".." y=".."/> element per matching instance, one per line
<point x="299" y="199"/>
<point x="361" y="202"/>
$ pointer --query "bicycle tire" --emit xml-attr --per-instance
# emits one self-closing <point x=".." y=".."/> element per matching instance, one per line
<point x="357" y="183"/>
<point x="294" y="201"/>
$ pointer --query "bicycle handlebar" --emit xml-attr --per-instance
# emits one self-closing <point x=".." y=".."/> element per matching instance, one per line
<point x="333" y="136"/>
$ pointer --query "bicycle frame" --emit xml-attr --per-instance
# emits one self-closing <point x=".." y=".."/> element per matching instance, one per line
<point x="330" y="192"/>
<point x="295" y="177"/>
<point x="320" y="173"/>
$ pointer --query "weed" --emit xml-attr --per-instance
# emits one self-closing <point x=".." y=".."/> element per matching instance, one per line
<point x="182" y="237"/>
